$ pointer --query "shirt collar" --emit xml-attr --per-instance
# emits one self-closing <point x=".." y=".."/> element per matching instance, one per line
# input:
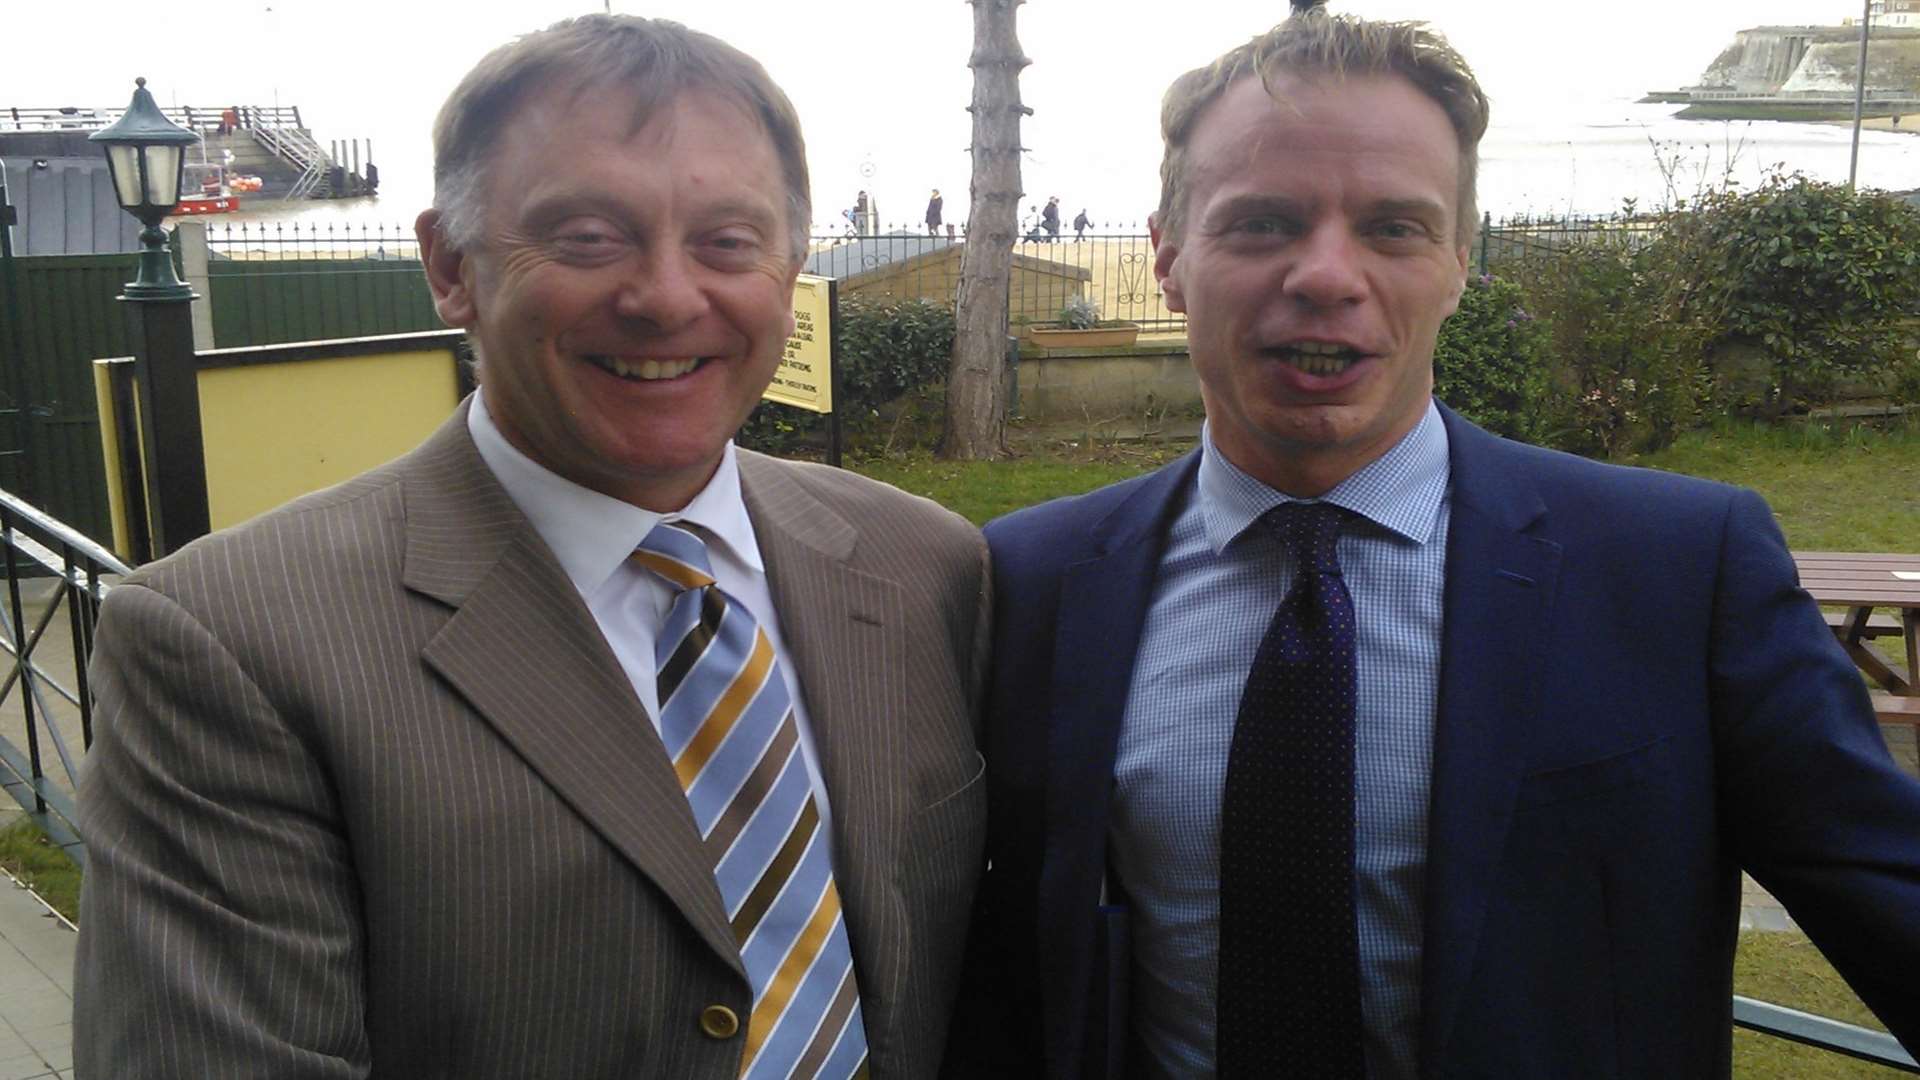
<point x="1401" y="490"/>
<point x="592" y="534"/>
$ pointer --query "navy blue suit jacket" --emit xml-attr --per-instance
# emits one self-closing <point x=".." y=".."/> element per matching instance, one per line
<point x="1636" y="700"/>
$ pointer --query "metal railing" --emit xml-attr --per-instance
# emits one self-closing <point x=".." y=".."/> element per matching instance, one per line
<point x="1109" y="264"/>
<point x="194" y="117"/>
<point x="50" y="569"/>
<point x="296" y="148"/>
<point x="1822" y="1033"/>
<point x="1507" y="247"/>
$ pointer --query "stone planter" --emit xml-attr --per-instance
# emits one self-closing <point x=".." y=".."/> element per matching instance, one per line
<point x="1099" y="337"/>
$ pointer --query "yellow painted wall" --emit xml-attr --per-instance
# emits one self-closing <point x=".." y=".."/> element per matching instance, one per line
<point x="276" y="431"/>
<point x="110" y="451"/>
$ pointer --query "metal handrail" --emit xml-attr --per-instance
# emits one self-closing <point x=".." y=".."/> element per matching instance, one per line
<point x="1822" y="1033"/>
<point x="37" y="545"/>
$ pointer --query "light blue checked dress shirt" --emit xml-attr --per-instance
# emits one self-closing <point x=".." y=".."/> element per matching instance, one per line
<point x="1218" y="586"/>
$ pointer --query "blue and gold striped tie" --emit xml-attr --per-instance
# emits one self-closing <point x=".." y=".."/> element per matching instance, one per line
<point x="728" y="725"/>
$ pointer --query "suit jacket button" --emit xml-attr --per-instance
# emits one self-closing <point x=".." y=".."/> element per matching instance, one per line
<point x="719" y="1022"/>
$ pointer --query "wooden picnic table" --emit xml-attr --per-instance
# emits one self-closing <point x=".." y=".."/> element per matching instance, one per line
<point x="1862" y="582"/>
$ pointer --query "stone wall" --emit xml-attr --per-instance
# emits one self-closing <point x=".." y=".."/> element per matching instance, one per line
<point x="1102" y="385"/>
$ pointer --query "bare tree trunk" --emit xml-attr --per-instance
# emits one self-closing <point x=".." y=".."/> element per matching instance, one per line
<point x="976" y="387"/>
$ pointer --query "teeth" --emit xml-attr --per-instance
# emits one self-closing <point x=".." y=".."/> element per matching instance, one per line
<point x="646" y="370"/>
<point x="1319" y="358"/>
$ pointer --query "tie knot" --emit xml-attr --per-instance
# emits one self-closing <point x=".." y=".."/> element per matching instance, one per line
<point x="676" y="555"/>
<point x="1310" y="531"/>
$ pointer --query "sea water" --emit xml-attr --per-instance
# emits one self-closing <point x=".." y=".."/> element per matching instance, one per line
<point x="1550" y="158"/>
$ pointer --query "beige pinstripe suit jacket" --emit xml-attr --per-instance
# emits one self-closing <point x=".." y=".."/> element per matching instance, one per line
<point x="370" y="795"/>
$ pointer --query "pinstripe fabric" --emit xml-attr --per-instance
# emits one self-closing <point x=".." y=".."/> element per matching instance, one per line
<point x="370" y="796"/>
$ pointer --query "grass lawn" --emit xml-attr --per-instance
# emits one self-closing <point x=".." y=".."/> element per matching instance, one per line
<point x="1834" y="488"/>
<point x="983" y="490"/>
<point x="1785" y="969"/>
<point x="27" y="854"/>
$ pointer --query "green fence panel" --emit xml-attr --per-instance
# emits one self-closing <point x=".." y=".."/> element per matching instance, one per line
<point x="59" y="313"/>
<point x="275" y="301"/>
<point x="62" y="315"/>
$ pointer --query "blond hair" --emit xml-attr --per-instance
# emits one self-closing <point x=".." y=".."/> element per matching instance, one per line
<point x="1315" y="43"/>
<point x="653" y="59"/>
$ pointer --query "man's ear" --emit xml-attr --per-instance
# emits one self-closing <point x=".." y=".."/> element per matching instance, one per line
<point x="793" y="282"/>
<point x="1165" y="251"/>
<point x="1463" y="255"/>
<point x="446" y="272"/>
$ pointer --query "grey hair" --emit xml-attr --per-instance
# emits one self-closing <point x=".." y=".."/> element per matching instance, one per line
<point x="1313" y="42"/>
<point x="654" y="59"/>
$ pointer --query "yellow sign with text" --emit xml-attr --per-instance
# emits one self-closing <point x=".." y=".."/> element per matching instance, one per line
<point x="804" y="378"/>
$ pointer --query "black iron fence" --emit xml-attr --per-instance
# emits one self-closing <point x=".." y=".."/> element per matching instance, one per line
<point x="55" y="577"/>
<point x="274" y="283"/>
<point x="1511" y="246"/>
<point x="1109" y="266"/>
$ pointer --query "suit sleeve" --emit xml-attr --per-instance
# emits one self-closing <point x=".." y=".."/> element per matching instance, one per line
<point x="220" y="929"/>
<point x="1815" y="807"/>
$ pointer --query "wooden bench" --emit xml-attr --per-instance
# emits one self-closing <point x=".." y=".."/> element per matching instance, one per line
<point x="1878" y="626"/>
<point x="1895" y="709"/>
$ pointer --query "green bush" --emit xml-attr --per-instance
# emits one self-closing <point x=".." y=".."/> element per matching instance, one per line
<point x="890" y="349"/>
<point x="1903" y="380"/>
<point x="1491" y="362"/>
<point x="1819" y="276"/>
<point x="1627" y="375"/>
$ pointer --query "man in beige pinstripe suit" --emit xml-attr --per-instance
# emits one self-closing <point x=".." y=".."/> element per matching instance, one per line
<point x="378" y="789"/>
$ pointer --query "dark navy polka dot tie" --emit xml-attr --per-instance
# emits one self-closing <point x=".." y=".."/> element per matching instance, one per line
<point x="1289" y="991"/>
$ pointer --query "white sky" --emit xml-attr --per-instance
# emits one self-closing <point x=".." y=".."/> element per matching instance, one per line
<point x="877" y="82"/>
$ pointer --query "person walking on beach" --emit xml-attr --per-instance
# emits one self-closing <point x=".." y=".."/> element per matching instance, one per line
<point x="933" y="213"/>
<point x="1360" y="743"/>
<point x="1080" y="224"/>
<point x="1050" y="218"/>
<point x="577" y="742"/>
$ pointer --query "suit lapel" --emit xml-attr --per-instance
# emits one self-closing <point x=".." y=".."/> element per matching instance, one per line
<point x="522" y="649"/>
<point x="840" y="626"/>
<point x="1501" y="581"/>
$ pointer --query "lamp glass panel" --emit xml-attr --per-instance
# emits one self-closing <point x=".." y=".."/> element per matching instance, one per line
<point x="163" y="174"/>
<point x="125" y="163"/>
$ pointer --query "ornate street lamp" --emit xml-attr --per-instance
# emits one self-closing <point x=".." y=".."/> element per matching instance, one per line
<point x="146" y="153"/>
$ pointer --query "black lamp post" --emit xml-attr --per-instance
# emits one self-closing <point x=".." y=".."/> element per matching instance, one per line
<point x="146" y="153"/>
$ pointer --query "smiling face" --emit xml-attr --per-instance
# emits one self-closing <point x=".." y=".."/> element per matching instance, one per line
<point x="1317" y="258"/>
<point x="631" y="291"/>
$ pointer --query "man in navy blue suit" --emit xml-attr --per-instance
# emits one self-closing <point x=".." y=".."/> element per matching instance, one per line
<point x="1566" y="702"/>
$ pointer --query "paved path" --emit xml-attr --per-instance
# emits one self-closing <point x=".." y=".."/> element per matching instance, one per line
<point x="36" y="988"/>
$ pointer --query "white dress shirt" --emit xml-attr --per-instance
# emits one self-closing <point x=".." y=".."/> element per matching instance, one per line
<point x="592" y="534"/>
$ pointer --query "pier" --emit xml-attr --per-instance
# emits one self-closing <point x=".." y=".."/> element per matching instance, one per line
<point x="270" y="142"/>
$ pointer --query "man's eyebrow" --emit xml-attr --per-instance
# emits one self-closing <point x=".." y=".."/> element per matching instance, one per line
<point x="560" y="205"/>
<point x="1254" y="204"/>
<point x="549" y="209"/>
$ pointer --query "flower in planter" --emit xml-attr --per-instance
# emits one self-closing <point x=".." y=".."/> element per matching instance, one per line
<point x="1079" y="313"/>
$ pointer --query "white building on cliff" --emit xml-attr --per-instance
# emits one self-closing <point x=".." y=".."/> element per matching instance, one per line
<point x="1904" y="13"/>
